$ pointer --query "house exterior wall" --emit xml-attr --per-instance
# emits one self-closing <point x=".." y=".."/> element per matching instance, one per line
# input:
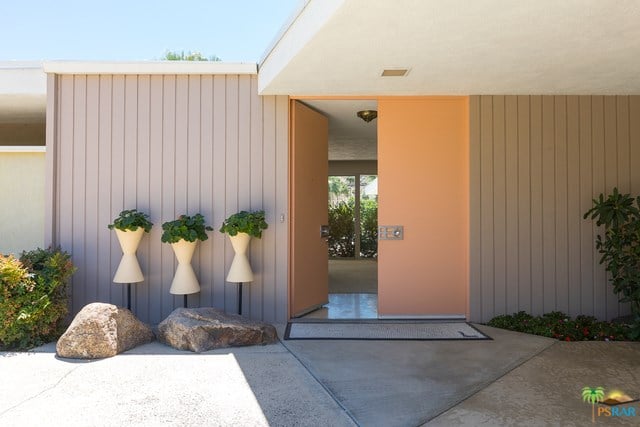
<point x="22" y="174"/>
<point x="536" y="163"/>
<point x="167" y="145"/>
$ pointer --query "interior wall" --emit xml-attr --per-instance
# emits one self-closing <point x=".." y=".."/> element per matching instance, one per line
<point x="423" y="168"/>
<point x="536" y="164"/>
<point x="22" y="211"/>
<point x="353" y="167"/>
<point x="168" y="145"/>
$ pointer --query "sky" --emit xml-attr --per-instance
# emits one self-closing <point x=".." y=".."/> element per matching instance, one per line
<point x="128" y="30"/>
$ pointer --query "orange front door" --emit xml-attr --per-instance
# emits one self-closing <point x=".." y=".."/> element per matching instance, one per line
<point x="423" y="172"/>
<point x="309" y="288"/>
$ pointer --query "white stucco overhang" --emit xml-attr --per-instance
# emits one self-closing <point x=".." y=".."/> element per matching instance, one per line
<point x="23" y="92"/>
<point x="451" y="47"/>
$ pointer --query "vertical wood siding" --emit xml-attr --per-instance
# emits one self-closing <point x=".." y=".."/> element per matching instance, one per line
<point x="167" y="145"/>
<point x="536" y="164"/>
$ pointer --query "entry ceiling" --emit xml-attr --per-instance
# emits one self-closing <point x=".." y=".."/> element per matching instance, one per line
<point x="350" y="137"/>
<point x="341" y="47"/>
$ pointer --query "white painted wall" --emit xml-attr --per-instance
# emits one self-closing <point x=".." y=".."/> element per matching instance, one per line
<point x="22" y="178"/>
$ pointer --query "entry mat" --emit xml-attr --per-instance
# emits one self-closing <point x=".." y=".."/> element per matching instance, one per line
<point x="382" y="330"/>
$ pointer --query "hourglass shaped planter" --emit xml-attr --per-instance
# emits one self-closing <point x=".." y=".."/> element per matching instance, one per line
<point x="129" y="270"/>
<point x="240" y="270"/>
<point x="185" y="280"/>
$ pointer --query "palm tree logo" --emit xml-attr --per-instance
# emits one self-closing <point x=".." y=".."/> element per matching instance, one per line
<point x="593" y="395"/>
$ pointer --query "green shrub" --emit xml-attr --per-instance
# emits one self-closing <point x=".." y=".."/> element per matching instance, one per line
<point x="342" y="237"/>
<point x="560" y="326"/>
<point x="369" y="228"/>
<point x="619" y="246"/>
<point x="33" y="297"/>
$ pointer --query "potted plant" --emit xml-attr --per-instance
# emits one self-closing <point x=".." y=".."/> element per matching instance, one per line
<point x="241" y="227"/>
<point x="129" y="227"/>
<point x="183" y="235"/>
<point x="251" y="223"/>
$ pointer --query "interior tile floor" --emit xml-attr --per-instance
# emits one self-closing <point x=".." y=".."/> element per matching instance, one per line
<point x="347" y="306"/>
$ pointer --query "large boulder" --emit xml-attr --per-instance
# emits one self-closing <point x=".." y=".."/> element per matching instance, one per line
<point x="102" y="330"/>
<point x="202" y="329"/>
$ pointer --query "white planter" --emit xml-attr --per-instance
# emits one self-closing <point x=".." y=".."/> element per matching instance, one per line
<point x="185" y="280"/>
<point x="240" y="271"/>
<point x="129" y="270"/>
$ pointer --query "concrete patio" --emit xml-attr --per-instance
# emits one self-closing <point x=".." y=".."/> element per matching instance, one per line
<point x="514" y="379"/>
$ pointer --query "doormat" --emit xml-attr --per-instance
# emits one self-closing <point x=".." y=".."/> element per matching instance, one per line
<point x="383" y="331"/>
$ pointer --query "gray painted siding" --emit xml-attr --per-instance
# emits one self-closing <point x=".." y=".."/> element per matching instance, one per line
<point x="168" y="144"/>
<point x="536" y="164"/>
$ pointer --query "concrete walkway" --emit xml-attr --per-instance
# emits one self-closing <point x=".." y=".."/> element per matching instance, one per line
<point x="515" y="379"/>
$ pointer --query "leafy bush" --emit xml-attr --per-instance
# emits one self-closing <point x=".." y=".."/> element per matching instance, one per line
<point x="189" y="228"/>
<point x="369" y="228"/>
<point x="560" y="326"/>
<point x="131" y="220"/>
<point x="341" y="224"/>
<point x="620" y="246"/>
<point x="251" y="223"/>
<point x="33" y="297"/>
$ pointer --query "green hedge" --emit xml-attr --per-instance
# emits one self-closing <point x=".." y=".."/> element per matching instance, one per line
<point x="33" y="297"/>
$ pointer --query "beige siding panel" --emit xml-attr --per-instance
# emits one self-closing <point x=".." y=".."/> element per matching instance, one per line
<point x="475" y="228"/>
<point x="524" y="204"/>
<point x="511" y="194"/>
<point x="92" y="230"/>
<point x="537" y="278"/>
<point x="587" y="193"/>
<point x="156" y="143"/>
<point x="539" y="162"/>
<point x="279" y="207"/>
<point x="269" y="183"/>
<point x="548" y="204"/>
<point x="499" y="205"/>
<point x="561" y="210"/>
<point x="205" y="198"/>
<point x="103" y="166"/>
<point x="78" y="165"/>
<point x="141" y="291"/>
<point x="117" y="176"/>
<point x="574" y="211"/>
<point x="486" y="206"/>
<point x="256" y="199"/>
<point x="599" y="186"/>
<point x="169" y="145"/>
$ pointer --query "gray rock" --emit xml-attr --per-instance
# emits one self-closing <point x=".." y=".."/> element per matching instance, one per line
<point x="202" y="329"/>
<point x="102" y="330"/>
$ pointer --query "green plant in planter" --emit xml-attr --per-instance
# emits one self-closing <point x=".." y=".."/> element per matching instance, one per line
<point x="251" y="223"/>
<point x="620" y="247"/>
<point x="189" y="228"/>
<point x="131" y="220"/>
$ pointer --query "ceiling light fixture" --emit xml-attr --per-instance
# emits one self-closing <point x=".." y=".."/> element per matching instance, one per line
<point x="367" y="115"/>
